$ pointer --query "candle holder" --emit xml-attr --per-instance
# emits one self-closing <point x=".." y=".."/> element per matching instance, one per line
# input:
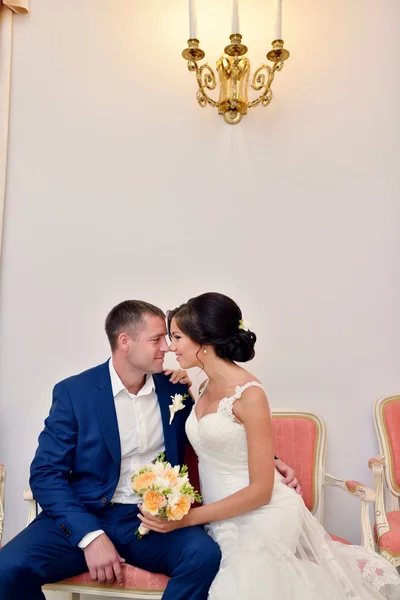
<point x="233" y="70"/>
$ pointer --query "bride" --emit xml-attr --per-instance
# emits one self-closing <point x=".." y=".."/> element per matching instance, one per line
<point x="272" y="547"/>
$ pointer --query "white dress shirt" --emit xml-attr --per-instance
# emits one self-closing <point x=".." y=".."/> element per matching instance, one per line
<point x="141" y="436"/>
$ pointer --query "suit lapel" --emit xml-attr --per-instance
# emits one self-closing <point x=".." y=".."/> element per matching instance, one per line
<point x="105" y="406"/>
<point x="164" y="400"/>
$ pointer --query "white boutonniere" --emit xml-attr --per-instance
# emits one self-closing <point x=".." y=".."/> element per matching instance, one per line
<point x="177" y="404"/>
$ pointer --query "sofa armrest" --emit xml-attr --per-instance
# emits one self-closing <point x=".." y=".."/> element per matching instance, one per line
<point x="354" y="488"/>
<point x="32" y="505"/>
<point x="365" y="495"/>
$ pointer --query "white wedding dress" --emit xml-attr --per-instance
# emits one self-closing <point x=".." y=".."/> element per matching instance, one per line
<point x="279" y="551"/>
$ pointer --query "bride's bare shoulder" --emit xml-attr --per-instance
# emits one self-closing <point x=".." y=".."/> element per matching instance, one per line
<point x="247" y="377"/>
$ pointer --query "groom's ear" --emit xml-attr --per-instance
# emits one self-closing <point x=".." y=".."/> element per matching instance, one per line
<point x="123" y="341"/>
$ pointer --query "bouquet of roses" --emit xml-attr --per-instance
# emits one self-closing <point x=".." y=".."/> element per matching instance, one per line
<point x="166" y="491"/>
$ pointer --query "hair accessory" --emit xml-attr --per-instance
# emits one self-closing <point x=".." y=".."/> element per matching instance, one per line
<point x="245" y="325"/>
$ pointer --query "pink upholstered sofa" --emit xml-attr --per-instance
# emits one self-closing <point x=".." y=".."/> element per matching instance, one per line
<point x="300" y="441"/>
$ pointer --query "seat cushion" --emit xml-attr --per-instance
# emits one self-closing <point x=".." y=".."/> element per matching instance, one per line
<point x="390" y="541"/>
<point x="138" y="579"/>
<point x="134" y="579"/>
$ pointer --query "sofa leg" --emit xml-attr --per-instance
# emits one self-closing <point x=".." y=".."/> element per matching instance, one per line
<point x="75" y="596"/>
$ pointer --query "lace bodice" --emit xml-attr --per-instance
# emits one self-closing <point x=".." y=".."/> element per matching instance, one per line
<point x="220" y="443"/>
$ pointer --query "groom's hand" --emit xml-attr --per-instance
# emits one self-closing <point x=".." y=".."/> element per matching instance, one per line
<point x="178" y="376"/>
<point x="103" y="561"/>
<point x="288" y="473"/>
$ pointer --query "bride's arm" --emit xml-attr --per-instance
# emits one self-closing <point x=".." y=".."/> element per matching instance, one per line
<point x="253" y="411"/>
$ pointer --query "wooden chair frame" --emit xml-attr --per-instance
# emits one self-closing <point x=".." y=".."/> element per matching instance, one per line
<point x="2" y="490"/>
<point x="384" y="477"/>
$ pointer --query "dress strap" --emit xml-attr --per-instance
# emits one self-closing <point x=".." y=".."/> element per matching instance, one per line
<point x="226" y="405"/>
<point x="242" y="388"/>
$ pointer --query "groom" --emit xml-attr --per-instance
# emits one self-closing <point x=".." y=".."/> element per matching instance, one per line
<point x="104" y="424"/>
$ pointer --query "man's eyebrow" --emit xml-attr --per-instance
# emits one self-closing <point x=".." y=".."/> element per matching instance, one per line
<point x="156" y="335"/>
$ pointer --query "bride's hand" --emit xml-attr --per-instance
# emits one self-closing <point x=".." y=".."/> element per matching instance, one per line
<point x="157" y="524"/>
<point x="178" y="376"/>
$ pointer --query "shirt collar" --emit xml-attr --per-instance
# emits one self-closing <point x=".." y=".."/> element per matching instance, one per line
<point x="117" y="385"/>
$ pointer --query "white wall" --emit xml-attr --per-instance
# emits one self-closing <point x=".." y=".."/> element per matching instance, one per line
<point x="120" y="186"/>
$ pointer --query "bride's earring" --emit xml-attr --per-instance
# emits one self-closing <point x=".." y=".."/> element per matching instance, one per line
<point x="205" y="350"/>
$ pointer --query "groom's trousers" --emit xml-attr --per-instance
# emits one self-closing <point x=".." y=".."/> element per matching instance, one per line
<point x="41" y="554"/>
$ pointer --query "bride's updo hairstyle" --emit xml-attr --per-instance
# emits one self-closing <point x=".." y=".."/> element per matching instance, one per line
<point x="215" y="320"/>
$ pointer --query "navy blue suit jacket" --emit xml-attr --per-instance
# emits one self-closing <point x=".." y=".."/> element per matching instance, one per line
<point x="77" y="464"/>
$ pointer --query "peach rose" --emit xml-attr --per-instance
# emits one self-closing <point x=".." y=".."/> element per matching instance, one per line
<point x="171" y="476"/>
<point x="180" y="509"/>
<point x="143" y="481"/>
<point x="153" y="501"/>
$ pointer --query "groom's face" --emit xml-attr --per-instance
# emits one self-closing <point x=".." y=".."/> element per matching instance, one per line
<point x="149" y="345"/>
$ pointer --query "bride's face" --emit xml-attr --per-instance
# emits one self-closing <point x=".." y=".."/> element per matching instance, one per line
<point x="185" y="349"/>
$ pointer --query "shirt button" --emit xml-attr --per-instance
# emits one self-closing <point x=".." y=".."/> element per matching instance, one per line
<point x="104" y="500"/>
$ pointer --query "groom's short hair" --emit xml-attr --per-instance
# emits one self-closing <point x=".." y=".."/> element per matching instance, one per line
<point x="128" y="315"/>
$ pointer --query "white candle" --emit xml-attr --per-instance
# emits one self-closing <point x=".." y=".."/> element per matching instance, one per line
<point x="235" y="16"/>
<point x="278" y="20"/>
<point x="192" y="20"/>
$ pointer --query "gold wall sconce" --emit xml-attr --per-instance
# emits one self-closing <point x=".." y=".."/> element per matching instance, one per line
<point x="233" y="68"/>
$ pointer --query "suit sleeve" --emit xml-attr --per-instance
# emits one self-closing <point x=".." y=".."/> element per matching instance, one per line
<point x="51" y="468"/>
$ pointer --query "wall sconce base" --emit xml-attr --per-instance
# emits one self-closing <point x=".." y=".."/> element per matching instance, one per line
<point x="233" y="70"/>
